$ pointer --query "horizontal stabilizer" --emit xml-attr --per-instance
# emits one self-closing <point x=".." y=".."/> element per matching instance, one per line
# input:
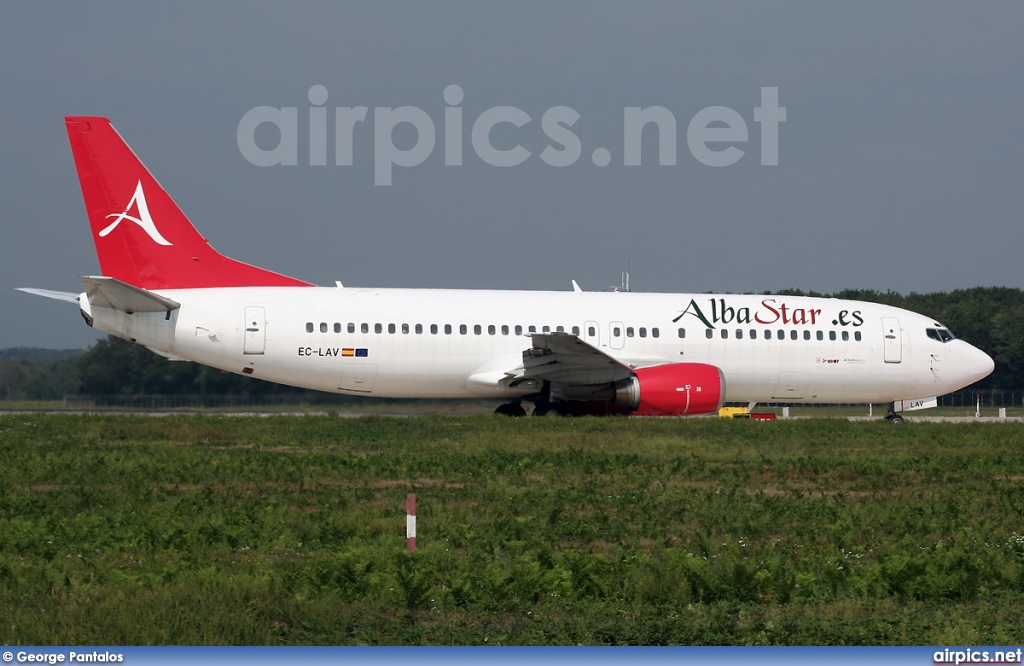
<point x="47" y="293"/>
<point x="107" y="292"/>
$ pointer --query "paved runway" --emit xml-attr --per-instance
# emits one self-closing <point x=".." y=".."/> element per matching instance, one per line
<point x="908" y="417"/>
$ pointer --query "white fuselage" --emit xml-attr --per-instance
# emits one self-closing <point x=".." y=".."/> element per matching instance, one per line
<point x="427" y="343"/>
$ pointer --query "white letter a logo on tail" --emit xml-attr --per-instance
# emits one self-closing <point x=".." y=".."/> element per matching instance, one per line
<point x="143" y="220"/>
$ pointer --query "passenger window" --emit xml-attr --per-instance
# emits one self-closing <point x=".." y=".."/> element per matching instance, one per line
<point x="546" y="329"/>
<point x="351" y="327"/>
<point x="323" y="327"/>
<point x="807" y="335"/>
<point x="616" y="331"/>
<point x="504" y="329"/>
<point x="643" y="332"/>
<point x="708" y="333"/>
<point x="364" y="328"/>
<point x="337" y="327"/>
<point x="753" y="334"/>
<point x="433" y="329"/>
<point x="819" y="335"/>
<point x="463" y="329"/>
<point x="782" y="334"/>
<point x="491" y="330"/>
<point x="846" y="335"/>
<point x="793" y="335"/>
<point x="629" y="331"/>
<point x="591" y="331"/>
<point x="309" y="327"/>
<point x="419" y="329"/>
<point x="378" y="328"/>
<point x="560" y="329"/>
<point x="575" y="330"/>
<point x="655" y="333"/>
<point x="533" y="329"/>
<point x="477" y="330"/>
<point x="831" y="335"/>
<point x="447" y="329"/>
<point x="725" y="334"/>
<point x="519" y="329"/>
<point x="739" y="333"/>
<point x="856" y="336"/>
<point x="682" y="333"/>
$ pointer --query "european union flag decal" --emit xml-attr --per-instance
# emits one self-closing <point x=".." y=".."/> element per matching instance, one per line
<point x="362" y="353"/>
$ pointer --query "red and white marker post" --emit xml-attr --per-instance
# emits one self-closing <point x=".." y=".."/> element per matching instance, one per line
<point x="410" y="522"/>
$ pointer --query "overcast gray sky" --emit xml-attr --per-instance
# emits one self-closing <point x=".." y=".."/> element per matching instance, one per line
<point x="900" y="160"/>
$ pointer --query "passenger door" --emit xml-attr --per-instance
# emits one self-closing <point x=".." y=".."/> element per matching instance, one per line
<point x="892" y="339"/>
<point x="255" y="330"/>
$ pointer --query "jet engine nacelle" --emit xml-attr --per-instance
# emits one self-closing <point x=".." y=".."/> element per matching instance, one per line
<point x="676" y="389"/>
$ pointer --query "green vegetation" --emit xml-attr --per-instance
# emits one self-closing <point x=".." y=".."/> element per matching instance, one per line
<point x="248" y="530"/>
<point x="38" y="374"/>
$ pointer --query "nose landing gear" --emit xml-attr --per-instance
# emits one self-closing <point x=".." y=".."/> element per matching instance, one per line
<point x="893" y="416"/>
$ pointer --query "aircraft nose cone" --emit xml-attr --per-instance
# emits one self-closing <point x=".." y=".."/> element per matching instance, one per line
<point x="980" y="364"/>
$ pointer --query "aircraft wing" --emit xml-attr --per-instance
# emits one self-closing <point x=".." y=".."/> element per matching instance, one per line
<point x="563" y="358"/>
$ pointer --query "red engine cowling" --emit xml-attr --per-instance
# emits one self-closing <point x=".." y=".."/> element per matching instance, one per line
<point x="676" y="389"/>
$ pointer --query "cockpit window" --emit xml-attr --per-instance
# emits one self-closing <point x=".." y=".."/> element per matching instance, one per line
<point x="940" y="334"/>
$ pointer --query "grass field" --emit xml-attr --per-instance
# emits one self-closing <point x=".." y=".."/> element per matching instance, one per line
<point x="291" y="530"/>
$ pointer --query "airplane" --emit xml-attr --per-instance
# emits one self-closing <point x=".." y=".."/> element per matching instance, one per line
<point x="566" y="352"/>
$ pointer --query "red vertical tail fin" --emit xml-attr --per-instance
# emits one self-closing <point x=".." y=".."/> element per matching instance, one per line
<point x="141" y="235"/>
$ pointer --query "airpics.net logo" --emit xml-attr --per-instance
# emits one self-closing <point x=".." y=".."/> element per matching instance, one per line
<point x="713" y="135"/>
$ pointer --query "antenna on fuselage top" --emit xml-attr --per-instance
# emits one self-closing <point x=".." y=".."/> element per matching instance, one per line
<point x="623" y="281"/>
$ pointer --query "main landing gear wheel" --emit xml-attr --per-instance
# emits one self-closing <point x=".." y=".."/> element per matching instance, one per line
<point x="893" y="417"/>
<point x="510" y="409"/>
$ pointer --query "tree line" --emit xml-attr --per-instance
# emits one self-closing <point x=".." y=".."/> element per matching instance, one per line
<point x="116" y="367"/>
<point x="990" y="318"/>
